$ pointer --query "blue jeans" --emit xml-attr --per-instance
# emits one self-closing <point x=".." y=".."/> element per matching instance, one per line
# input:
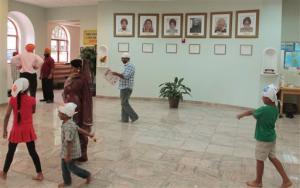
<point x="69" y="167"/>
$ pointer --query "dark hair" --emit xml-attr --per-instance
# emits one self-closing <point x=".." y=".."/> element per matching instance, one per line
<point x="77" y="63"/>
<point x="148" y="20"/>
<point x="124" y="20"/>
<point x="172" y="21"/>
<point x="247" y="19"/>
<point x="47" y="55"/>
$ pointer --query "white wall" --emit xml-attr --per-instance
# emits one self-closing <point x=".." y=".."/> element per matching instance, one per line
<point x="291" y="20"/>
<point x="74" y="39"/>
<point x="230" y="79"/>
<point x="87" y="15"/>
<point x="3" y="33"/>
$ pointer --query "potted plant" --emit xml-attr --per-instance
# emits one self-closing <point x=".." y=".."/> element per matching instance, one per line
<point x="174" y="91"/>
<point x="89" y="54"/>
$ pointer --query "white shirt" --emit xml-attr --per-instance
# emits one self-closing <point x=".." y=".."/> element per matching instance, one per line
<point x="27" y="62"/>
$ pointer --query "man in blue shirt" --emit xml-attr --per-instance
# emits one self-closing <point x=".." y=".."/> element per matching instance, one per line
<point x="126" y="85"/>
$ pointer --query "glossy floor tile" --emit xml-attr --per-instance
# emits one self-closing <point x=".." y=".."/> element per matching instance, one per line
<point x="196" y="146"/>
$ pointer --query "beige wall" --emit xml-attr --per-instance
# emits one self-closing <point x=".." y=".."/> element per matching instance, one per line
<point x="74" y="39"/>
<point x="3" y="31"/>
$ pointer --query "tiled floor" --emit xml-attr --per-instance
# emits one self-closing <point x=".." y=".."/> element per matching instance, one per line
<point x="196" y="146"/>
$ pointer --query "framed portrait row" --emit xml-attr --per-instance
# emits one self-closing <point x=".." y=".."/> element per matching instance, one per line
<point x="195" y="24"/>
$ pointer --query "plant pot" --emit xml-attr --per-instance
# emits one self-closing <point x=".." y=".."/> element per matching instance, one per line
<point x="174" y="102"/>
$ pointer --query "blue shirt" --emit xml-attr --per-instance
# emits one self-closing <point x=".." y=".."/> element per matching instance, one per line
<point x="128" y="80"/>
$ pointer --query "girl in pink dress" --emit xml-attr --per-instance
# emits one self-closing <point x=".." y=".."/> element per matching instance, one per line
<point x="22" y="106"/>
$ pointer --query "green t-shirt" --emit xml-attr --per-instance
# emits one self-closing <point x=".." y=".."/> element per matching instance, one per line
<point x="266" y="117"/>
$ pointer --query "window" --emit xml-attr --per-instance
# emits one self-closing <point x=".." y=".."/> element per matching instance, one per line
<point x="12" y="39"/>
<point x="59" y="45"/>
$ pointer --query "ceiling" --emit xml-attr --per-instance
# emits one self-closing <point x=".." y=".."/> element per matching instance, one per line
<point x="68" y="3"/>
<point x="59" y="3"/>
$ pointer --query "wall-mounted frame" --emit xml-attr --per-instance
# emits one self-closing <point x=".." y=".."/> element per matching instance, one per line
<point x="171" y="48"/>
<point x="172" y="25"/>
<point x="220" y="49"/>
<point x="194" y="48"/>
<point x="246" y="49"/>
<point x="123" y="47"/>
<point x="195" y="25"/>
<point x="124" y="24"/>
<point x="147" y="48"/>
<point x="247" y="24"/>
<point x="221" y="24"/>
<point x="148" y="25"/>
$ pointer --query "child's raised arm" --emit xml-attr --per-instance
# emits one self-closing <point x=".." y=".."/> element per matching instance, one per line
<point x="6" y="119"/>
<point x="246" y="113"/>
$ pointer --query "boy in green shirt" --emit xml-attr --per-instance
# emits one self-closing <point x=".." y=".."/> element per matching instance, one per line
<point x="265" y="136"/>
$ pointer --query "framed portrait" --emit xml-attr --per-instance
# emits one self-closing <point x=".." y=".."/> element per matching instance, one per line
<point x="124" y="24"/>
<point x="172" y="25"/>
<point x="194" y="49"/>
<point x="246" y="49"/>
<point x="171" y="48"/>
<point x="220" y="49"/>
<point x="195" y="25"/>
<point x="148" y="25"/>
<point x="247" y="24"/>
<point x="147" y="48"/>
<point x="220" y="24"/>
<point x="123" y="47"/>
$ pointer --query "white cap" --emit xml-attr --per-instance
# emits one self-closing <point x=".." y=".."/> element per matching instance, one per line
<point x="20" y="85"/>
<point x="125" y="55"/>
<point x="68" y="109"/>
<point x="270" y="91"/>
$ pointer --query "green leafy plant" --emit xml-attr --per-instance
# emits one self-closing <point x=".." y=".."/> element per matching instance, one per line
<point x="89" y="54"/>
<point x="175" y="89"/>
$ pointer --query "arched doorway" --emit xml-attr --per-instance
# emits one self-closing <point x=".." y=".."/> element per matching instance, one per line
<point x="20" y="32"/>
<point x="25" y="28"/>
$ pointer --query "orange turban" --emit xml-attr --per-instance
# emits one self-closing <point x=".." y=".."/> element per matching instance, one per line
<point x="47" y="51"/>
<point x="30" y="47"/>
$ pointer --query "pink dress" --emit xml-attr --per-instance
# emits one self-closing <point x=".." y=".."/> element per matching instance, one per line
<point x="24" y="131"/>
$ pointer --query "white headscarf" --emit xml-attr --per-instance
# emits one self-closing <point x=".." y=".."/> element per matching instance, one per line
<point x="68" y="109"/>
<point x="270" y="91"/>
<point x="20" y="85"/>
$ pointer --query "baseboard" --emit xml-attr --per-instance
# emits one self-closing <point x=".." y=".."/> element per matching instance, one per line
<point x="185" y="101"/>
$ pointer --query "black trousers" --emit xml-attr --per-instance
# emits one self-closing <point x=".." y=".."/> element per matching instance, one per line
<point x="47" y="86"/>
<point x="32" y="78"/>
<point x="31" y="149"/>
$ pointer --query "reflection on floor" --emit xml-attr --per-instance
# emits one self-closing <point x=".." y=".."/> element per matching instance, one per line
<point x="196" y="146"/>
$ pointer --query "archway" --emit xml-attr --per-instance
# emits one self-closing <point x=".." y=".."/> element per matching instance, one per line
<point x="25" y="27"/>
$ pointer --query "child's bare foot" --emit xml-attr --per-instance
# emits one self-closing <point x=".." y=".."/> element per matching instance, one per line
<point x="88" y="180"/>
<point x="286" y="184"/>
<point x="62" y="185"/>
<point x="254" y="184"/>
<point x="39" y="177"/>
<point x="3" y="175"/>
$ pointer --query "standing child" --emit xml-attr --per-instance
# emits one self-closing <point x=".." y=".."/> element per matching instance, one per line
<point x="265" y="135"/>
<point x="23" y="106"/>
<point x="71" y="150"/>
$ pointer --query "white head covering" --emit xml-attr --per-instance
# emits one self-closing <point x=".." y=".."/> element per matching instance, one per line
<point x="270" y="91"/>
<point x="20" y="85"/>
<point x="125" y="55"/>
<point x="68" y="109"/>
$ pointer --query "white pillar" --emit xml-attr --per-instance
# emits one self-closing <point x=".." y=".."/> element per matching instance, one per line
<point x="3" y="47"/>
